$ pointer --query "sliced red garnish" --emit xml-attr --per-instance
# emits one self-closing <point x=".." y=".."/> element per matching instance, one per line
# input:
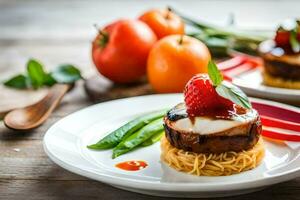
<point x="227" y="78"/>
<point x="278" y="123"/>
<point x="280" y="135"/>
<point x="247" y="66"/>
<point x="238" y="65"/>
<point x="287" y="120"/>
<point x="231" y="63"/>
<point x="276" y="112"/>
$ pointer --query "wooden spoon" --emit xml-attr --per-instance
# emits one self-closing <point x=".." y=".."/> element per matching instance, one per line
<point x="34" y="115"/>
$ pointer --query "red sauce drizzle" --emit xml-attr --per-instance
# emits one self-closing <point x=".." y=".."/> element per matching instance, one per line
<point x="132" y="165"/>
<point x="221" y="112"/>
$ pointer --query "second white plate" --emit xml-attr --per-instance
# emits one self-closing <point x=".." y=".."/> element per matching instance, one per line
<point x="251" y="83"/>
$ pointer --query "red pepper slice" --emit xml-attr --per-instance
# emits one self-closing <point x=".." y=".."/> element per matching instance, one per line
<point x="278" y="123"/>
<point x="280" y="135"/>
<point x="237" y="65"/>
<point x="277" y="112"/>
<point x="245" y="67"/>
<point x="231" y="63"/>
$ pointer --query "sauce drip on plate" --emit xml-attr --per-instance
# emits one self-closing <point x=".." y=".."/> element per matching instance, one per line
<point x="132" y="165"/>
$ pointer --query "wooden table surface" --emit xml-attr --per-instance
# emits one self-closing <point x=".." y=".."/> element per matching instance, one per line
<point x="60" y="31"/>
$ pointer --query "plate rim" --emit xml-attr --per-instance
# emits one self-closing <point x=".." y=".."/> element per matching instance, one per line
<point x="167" y="186"/>
<point x="264" y="88"/>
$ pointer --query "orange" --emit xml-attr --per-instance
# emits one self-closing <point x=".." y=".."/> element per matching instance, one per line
<point x="174" y="60"/>
<point x="163" y="22"/>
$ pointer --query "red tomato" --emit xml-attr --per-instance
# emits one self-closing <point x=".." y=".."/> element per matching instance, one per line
<point x="121" y="49"/>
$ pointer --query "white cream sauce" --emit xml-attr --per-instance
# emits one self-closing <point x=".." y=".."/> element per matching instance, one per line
<point x="206" y="125"/>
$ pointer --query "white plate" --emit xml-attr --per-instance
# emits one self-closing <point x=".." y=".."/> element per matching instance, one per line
<point x="65" y="143"/>
<point x="251" y="83"/>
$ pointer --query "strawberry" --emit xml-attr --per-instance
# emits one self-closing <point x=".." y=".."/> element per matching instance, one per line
<point x="200" y="95"/>
<point x="225" y="103"/>
<point x="282" y="38"/>
<point x="207" y="94"/>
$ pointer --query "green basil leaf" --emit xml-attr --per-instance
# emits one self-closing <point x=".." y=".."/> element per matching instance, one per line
<point x="214" y="73"/>
<point x="36" y="73"/>
<point x="37" y="77"/>
<point x="19" y="81"/>
<point x="49" y="80"/>
<point x="294" y="42"/>
<point x="233" y="93"/>
<point x="66" y="74"/>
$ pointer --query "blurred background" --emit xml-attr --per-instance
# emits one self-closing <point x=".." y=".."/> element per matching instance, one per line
<point x="61" y="31"/>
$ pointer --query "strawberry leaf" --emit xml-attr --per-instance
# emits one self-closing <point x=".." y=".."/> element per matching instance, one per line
<point x="294" y="42"/>
<point x="214" y="73"/>
<point x="233" y="93"/>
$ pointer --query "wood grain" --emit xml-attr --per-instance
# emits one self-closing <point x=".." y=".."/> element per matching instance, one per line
<point x="57" y="32"/>
<point x="99" y="89"/>
<point x="86" y="189"/>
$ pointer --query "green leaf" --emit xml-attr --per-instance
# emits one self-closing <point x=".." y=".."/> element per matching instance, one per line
<point x="66" y="74"/>
<point x="36" y="73"/>
<point x="233" y="93"/>
<point x="37" y="77"/>
<point x="49" y="80"/>
<point x="19" y="81"/>
<point x="294" y="42"/>
<point x="214" y="73"/>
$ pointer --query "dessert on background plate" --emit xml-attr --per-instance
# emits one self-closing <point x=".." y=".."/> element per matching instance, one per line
<point x="281" y="57"/>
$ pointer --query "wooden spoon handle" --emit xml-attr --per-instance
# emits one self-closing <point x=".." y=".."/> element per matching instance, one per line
<point x="32" y="116"/>
<point x="52" y="99"/>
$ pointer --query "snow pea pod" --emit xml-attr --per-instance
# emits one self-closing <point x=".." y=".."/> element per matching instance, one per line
<point x="155" y="138"/>
<point x="138" y="137"/>
<point x="115" y="137"/>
